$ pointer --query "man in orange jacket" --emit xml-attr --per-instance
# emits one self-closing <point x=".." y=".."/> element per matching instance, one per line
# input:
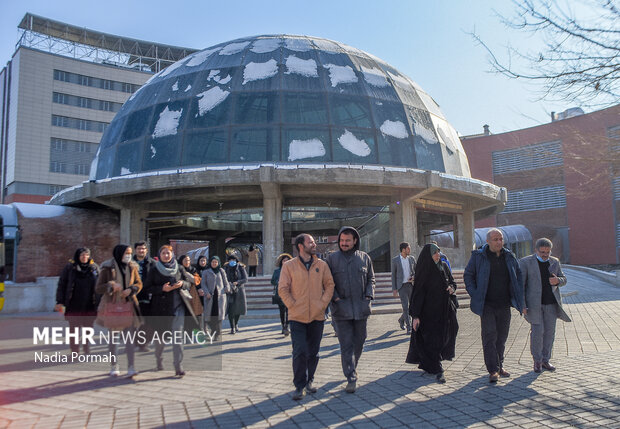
<point x="306" y="287"/>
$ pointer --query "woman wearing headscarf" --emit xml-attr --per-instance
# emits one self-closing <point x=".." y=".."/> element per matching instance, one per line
<point x="215" y="287"/>
<point x="433" y="313"/>
<point x="237" y="303"/>
<point x="201" y="264"/>
<point x="197" y="305"/>
<point x="165" y="281"/>
<point x="120" y="280"/>
<point x="275" y="278"/>
<point x="75" y="295"/>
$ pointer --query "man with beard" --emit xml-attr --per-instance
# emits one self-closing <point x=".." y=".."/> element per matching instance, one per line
<point x="354" y="278"/>
<point x="306" y="287"/>
<point x="145" y="262"/>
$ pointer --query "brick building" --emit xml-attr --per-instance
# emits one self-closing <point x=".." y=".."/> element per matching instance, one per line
<point x="563" y="182"/>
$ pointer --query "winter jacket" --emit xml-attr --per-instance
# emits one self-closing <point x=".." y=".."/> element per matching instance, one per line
<point x="71" y="277"/>
<point x="354" y="280"/>
<point x="476" y="279"/>
<point x="533" y="288"/>
<point x="210" y="281"/>
<point x="306" y="293"/>
<point x="110" y="274"/>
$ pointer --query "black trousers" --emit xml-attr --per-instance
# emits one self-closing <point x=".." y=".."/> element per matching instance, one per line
<point x="306" y="339"/>
<point x="351" y="336"/>
<point x="495" y="323"/>
<point x="252" y="272"/>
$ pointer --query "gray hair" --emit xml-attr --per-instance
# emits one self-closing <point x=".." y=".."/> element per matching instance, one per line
<point x="491" y="231"/>
<point x="543" y="242"/>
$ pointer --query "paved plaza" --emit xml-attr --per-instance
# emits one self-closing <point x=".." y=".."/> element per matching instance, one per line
<point x="254" y="385"/>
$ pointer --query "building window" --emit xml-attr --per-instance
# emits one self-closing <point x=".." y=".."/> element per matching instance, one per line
<point x="78" y="124"/>
<point x="58" y="167"/>
<point x="83" y="147"/>
<point x="548" y="197"/>
<point x="54" y="189"/>
<point x="81" y="169"/>
<point x="86" y="103"/>
<point x="95" y="82"/>
<point x="527" y="158"/>
<point x="58" y="144"/>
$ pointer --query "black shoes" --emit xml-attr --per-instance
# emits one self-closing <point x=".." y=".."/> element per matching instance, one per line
<point x="310" y="388"/>
<point x="440" y="378"/>
<point x="298" y="394"/>
<point x="179" y="373"/>
<point x="538" y="367"/>
<point x="401" y="322"/>
<point x="547" y="366"/>
<point x="351" y="387"/>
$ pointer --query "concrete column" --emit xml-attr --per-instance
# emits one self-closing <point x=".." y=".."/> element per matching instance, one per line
<point x="133" y="226"/>
<point x="466" y="230"/>
<point x="403" y="226"/>
<point x="217" y="248"/>
<point x="272" y="225"/>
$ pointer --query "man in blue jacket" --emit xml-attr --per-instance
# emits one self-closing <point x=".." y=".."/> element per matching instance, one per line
<point x="493" y="281"/>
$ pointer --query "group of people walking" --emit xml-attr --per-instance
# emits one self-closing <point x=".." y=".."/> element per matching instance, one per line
<point x="152" y="295"/>
<point x="496" y="281"/>
<point x="175" y="294"/>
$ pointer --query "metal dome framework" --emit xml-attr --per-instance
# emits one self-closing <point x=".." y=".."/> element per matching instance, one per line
<point x="275" y="123"/>
<point x="285" y="99"/>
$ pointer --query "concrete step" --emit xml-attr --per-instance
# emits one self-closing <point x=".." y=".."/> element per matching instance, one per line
<point x="259" y="291"/>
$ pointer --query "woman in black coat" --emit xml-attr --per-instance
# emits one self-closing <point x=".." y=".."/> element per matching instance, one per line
<point x="165" y="281"/>
<point x="237" y="302"/>
<point x="433" y="312"/>
<point x="76" y="295"/>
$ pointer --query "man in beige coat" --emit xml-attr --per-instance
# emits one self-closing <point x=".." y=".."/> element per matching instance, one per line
<point x="542" y="278"/>
<point x="306" y="287"/>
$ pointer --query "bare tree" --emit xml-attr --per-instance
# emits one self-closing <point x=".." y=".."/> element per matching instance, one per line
<point x="580" y="57"/>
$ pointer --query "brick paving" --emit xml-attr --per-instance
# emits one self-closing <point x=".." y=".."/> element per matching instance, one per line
<point x="254" y="386"/>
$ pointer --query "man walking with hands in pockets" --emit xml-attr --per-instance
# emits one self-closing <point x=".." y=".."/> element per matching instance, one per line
<point x="306" y="286"/>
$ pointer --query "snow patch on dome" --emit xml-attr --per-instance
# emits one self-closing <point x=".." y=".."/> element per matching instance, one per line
<point x="300" y="66"/>
<point x="175" y="87"/>
<point x="171" y="68"/>
<point x="375" y="77"/>
<point x="395" y="129"/>
<point x="353" y="144"/>
<point x="262" y="46"/>
<point x="301" y="149"/>
<point x="425" y="133"/>
<point x="233" y="48"/>
<point x="340" y="74"/>
<point x="200" y="57"/>
<point x="209" y="99"/>
<point x="167" y="123"/>
<point x="257" y="71"/>
<point x="299" y="45"/>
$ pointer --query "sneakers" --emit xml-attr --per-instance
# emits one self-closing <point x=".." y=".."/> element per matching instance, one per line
<point x="547" y="366"/>
<point x="310" y="388"/>
<point x="504" y="373"/>
<point x="131" y="372"/>
<point x="115" y="371"/>
<point x="538" y="367"/>
<point x="351" y="387"/>
<point x="298" y="394"/>
<point x="440" y="378"/>
<point x="493" y="377"/>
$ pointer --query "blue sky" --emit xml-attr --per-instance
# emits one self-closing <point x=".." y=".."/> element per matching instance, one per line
<point x="427" y="41"/>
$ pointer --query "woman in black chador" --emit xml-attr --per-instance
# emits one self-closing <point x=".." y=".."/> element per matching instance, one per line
<point x="433" y="312"/>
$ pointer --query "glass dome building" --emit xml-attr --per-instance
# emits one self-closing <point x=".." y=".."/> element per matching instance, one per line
<point x="265" y="137"/>
<point x="279" y="99"/>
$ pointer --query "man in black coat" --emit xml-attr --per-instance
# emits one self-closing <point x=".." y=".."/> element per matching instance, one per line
<point x="145" y="262"/>
<point x="354" y="280"/>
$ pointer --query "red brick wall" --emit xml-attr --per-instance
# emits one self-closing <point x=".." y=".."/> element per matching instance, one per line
<point x="586" y="176"/>
<point x="48" y="243"/>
